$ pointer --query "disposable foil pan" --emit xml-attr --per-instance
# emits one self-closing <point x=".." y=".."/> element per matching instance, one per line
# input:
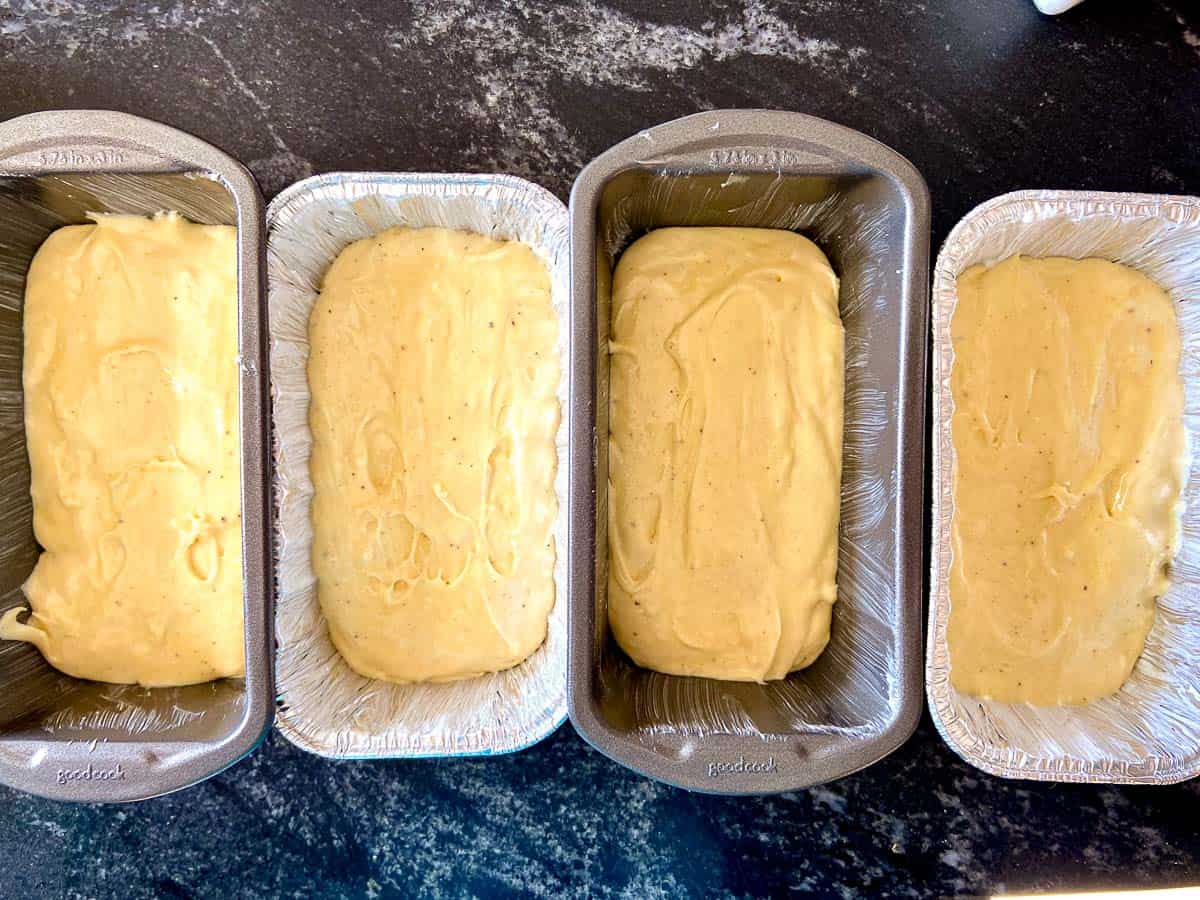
<point x="1149" y="731"/>
<point x="80" y="740"/>
<point x="868" y="209"/>
<point x="324" y="706"/>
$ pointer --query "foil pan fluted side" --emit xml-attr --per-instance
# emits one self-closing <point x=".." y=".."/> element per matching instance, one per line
<point x="324" y="706"/>
<point x="1149" y="731"/>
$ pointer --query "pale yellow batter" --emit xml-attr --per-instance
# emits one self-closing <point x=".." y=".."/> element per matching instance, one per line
<point x="1070" y="461"/>
<point x="434" y="372"/>
<point x="131" y="419"/>
<point x="725" y="446"/>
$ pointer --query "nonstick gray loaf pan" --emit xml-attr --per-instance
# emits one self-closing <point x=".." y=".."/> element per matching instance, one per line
<point x="62" y="737"/>
<point x="868" y="209"/>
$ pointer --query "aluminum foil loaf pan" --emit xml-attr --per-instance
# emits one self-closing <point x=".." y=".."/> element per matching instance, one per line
<point x="324" y="706"/>
<point x="1149" y="731"/>
<point x="868" y="209"/>
<point x="80" y="740"/>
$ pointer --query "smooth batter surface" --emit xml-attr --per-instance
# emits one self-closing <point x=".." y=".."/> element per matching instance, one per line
<point x="434" y="371"/>
<point x="1070" y="445"/>
<point x="725" y="444"/>
<point x="131" y="418"/>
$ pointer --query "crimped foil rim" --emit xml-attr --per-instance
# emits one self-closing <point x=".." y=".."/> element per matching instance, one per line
<point x="1018" y="207"/>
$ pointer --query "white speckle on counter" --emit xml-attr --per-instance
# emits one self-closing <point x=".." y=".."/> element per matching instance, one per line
<point x="1166" y="176"/>
<point x="762" y="33"/>
<point x="593" y="44"/>
<point x="244" y="88"/>
<point x="589" y="44"/>
<point x="71" y="24"/>
<point x="54" y="828"/>
<point x="134" y="34"/>
<point x="278" y="170"/>
<point x="829" y="798"/>
<point x="1189" y="37"/>
<point x="275" y="172"/>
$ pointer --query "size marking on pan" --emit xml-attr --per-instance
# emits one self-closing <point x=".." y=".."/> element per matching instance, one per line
<point x="72" y="157"/>
<point x="769" y="159"/>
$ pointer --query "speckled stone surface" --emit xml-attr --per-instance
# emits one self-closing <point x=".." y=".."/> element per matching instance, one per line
<point x="984" y="96"/>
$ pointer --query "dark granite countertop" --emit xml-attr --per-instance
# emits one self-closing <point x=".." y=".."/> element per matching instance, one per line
<point x="984" y="96"/>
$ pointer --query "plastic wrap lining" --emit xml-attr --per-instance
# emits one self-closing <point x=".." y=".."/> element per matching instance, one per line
<point x="851" y="689"/>
<point x="38" y="701"/>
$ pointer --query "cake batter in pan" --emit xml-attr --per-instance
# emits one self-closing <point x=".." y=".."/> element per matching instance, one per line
<point x="868" y="209"/>
<point x="324" y="706"/>
<point x="1149" y="731"/>
<point x="62" y="737"/>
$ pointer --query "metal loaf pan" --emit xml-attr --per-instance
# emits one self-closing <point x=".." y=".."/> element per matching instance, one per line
<point x="59" y="736"/>
<point x="324" y="706"/>
<point x="868" y="209"/>
<point x="1149" y="731"/>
